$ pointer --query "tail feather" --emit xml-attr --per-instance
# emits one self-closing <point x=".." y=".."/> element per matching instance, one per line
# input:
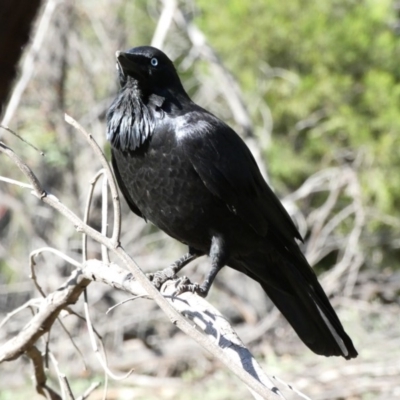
<point x="316" y="328"/>
<point x="303" y="302"/>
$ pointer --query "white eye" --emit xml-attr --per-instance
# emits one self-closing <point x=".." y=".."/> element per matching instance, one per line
<point x="154" y="62"/>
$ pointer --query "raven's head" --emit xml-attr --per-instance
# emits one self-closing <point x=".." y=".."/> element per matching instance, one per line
<point x="149" y="70"/>
<point x="150" y="86"/>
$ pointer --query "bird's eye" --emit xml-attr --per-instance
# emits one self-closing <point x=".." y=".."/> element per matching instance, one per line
<point x="154" y="62"/>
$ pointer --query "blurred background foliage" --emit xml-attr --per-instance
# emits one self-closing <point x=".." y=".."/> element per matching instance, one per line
<point x="329" y="72"/>
<point x="320" y="84"/>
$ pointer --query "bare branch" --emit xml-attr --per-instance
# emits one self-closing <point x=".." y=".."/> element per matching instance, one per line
<point x="218" y="330"/>
<point x="41" y="323"/>
<point x="191" y="306"/>
<point x="40" y="376"/>
<point x="72" y="289"/>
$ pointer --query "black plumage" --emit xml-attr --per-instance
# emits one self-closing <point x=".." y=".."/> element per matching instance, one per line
<point x="191" y="175"/>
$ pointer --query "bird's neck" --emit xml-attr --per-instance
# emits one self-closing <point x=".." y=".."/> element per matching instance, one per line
<point x="130" y="122"/>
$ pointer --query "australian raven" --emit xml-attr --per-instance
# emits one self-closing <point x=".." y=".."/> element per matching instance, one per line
<point x="191" y="175"/>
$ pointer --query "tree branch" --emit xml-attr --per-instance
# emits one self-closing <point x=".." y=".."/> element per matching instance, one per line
<point x="72" y="289"/>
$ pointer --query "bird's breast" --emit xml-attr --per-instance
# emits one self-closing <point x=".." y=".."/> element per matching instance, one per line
<point x="168" y="192"/>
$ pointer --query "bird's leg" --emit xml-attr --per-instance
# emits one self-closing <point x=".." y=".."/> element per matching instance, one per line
<point x="159" y="277"/>
<point x="203" y="289"/>
<point x="218" y="255"/>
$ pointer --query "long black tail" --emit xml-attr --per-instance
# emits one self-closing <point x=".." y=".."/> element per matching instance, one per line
<point x="297" y="293"/>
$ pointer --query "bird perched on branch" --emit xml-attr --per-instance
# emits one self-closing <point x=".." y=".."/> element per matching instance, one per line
<point x="192" y="176"/>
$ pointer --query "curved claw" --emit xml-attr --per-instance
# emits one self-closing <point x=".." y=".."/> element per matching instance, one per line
<point x="160" y="277"/>
<point x="186" y="286"/>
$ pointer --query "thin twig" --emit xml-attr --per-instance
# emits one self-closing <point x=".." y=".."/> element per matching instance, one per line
<point x="33" y="276"/>
<point x="28" y="304"/>
<point x="58" y="253"/>
<point x="125" y="301"/>
<point x="67" y="387"/>
<point x="32" y="263"/>
<point x="115" y="238"/>
<point x="14" y="182"/>
<point x="36" y="186"/>
<point x="104" y="218"/>
<point x="102" y="361"/>
<point x="78" y="350"/>
<point x="87" y="392"/>
<point x="87" y="210"/>
<point x="22" y="139"/>
<point x="60" y="376"/>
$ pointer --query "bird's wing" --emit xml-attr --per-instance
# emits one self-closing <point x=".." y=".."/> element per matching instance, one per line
<point x="122" y="186"/>
<point x="228" y="169"/>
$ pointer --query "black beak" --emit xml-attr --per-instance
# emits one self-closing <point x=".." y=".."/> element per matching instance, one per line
<point x="129" y="64"/>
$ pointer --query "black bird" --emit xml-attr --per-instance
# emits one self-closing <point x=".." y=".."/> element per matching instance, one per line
<point x="192" y="176"/>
